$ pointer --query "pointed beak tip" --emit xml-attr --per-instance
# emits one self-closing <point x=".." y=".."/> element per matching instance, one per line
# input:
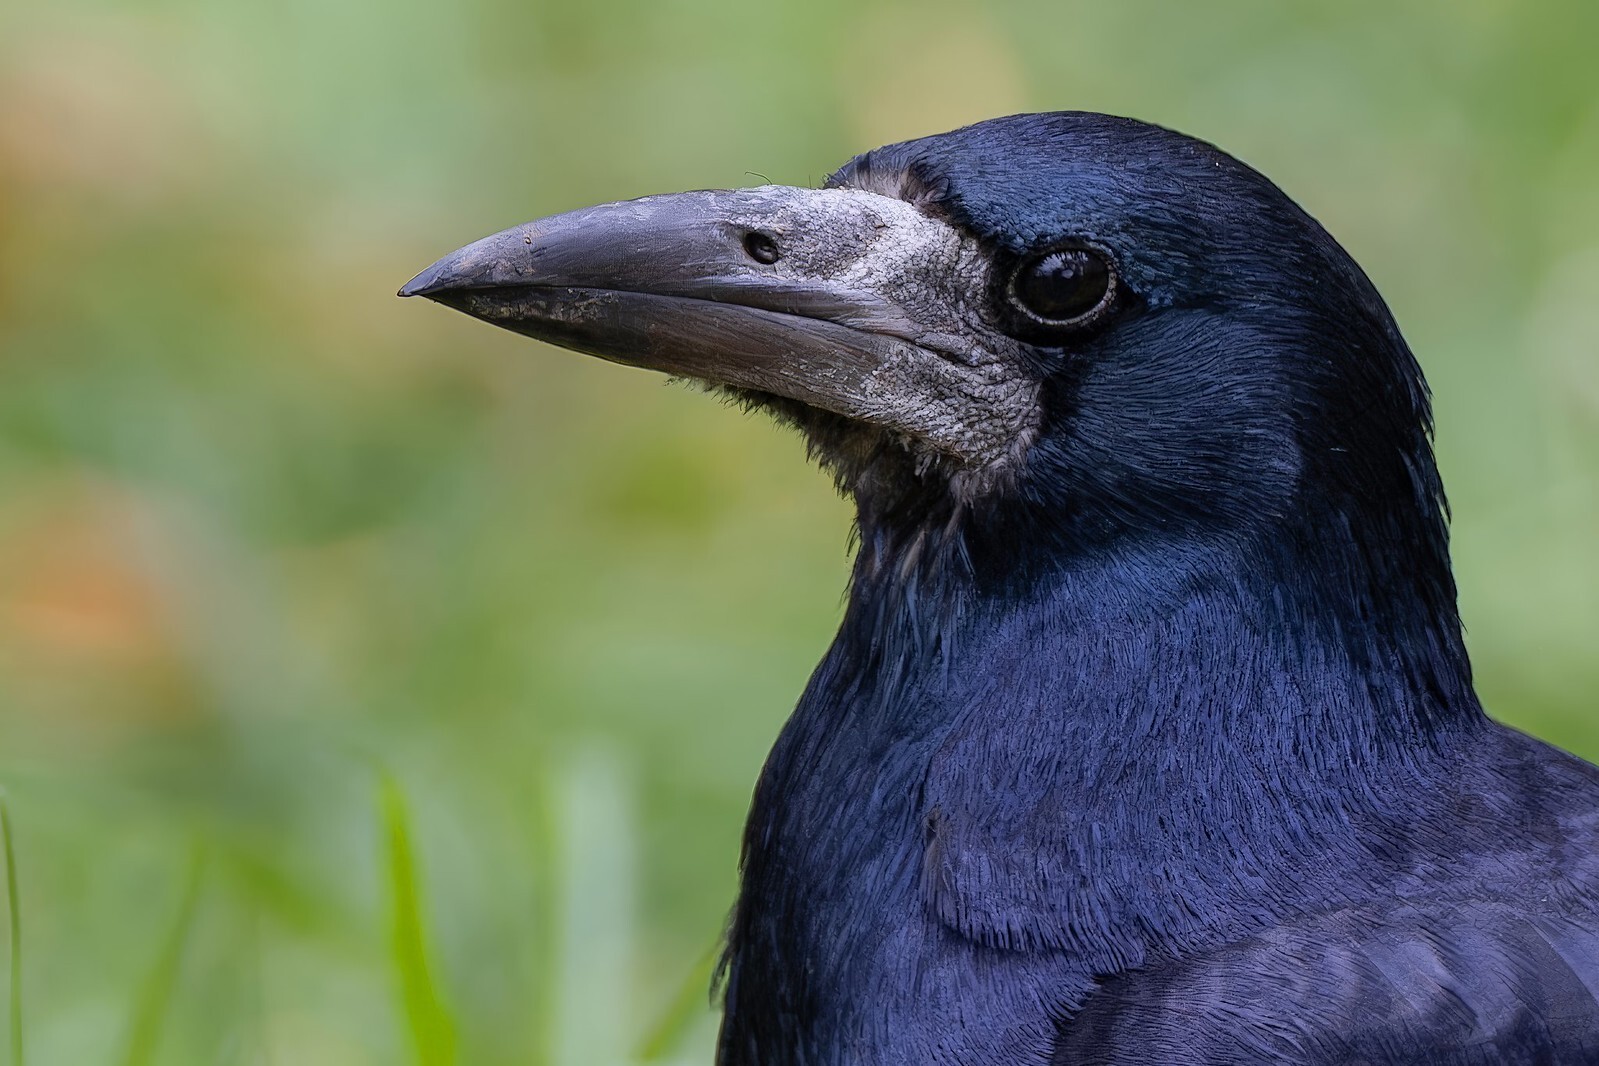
<point x="420" y="285"/>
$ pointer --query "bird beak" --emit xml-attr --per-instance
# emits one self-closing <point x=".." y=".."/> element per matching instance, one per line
<point x="832" y="297"/>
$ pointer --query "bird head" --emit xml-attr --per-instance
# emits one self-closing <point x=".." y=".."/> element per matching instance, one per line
<point x="1036" y="339"/>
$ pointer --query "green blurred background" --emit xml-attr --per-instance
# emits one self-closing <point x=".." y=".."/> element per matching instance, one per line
<point x="270" y="537"/>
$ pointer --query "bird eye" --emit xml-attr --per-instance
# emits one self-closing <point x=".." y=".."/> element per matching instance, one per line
<point x="761" y="247"/>
<point x="1064" y="287"/>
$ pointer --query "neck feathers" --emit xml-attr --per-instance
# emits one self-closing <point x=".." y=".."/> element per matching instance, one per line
<point x="1100" y="762"/>
<point x="1168" y="744"/>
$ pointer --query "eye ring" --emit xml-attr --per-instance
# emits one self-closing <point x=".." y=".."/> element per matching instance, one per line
<point x="761" y="247"/>
<point x="1067" y="286"/>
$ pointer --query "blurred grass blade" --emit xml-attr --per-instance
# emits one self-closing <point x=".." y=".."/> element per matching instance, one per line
<point x="690" y="1005"/>
<point x="544" y="995"/>
<point x="14" y="909"/>
<point x="155" y="995"/>
<point x="431" y="1026"/>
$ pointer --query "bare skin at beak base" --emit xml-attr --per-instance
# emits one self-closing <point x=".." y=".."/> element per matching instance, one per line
<point x="829" y="297"/>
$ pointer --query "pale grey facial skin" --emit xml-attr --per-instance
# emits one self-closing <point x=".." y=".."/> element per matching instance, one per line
<point x="865" y="311"/>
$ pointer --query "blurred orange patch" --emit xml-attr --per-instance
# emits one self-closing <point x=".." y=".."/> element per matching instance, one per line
<point x="84" y="630"/>
<point x="95" y="108"/>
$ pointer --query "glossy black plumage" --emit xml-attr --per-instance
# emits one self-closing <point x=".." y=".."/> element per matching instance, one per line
<point x="1172" y="755"/>
<point x="1149" y="733"/>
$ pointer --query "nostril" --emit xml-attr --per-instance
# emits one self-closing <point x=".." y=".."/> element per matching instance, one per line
<point x="761" y="247"/>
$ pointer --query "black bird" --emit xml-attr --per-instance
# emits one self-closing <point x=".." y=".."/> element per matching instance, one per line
<point x="1149" y="733"/>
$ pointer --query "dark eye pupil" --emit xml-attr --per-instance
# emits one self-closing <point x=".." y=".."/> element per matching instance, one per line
<point x="1061" y="286"/>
